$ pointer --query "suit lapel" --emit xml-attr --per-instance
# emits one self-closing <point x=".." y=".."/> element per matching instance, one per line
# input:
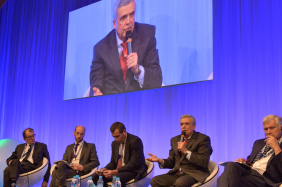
<point x="20" y="151"/>
<point x="135" y="45"/>
<point x="35" y="149"/>
<point x="126" y="149"/>
<point x="84" y="148"/>
<point x="69" y="155"/>
<point x="114" y="56"/>
<point x="257" y="150"/>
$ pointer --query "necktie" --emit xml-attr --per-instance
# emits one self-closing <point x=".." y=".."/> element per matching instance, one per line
<point x="120" y="159"/>
<point x="73" y="152"/>
<point x="27" y="153"/>
<point x="123" y="60"/>
<point x="260" y="154"/>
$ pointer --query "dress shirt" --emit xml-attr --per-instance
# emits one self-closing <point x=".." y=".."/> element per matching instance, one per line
<point x="261" y="164"/>
<point x="78" y="152"/>
<point x="121" y="151"/>
<point x="30" y="159"/>
<point x="140" y="80"/>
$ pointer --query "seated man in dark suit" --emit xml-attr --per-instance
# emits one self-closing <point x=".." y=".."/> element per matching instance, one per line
<point x="189" y="159"/>
<point x="26" y="157"/>
<point x="127" y="161"/>
<point x="265" y="160"/>
<point x="113" y="70"/>
<point x="81" y="156"/>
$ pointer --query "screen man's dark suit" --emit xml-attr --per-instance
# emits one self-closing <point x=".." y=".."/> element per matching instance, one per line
<point x="134" y="160"/>
<point x="272" y="176"/>
<point x="106" y="73"/>
<point x="197" y="167"/>
<point x="39" y="151"/>
<point x="88" y="159"/>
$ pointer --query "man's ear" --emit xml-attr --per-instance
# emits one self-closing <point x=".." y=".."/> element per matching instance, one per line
<point x="114" y="22"/>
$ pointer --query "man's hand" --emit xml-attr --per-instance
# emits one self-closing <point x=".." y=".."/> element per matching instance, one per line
<point x="110" y="173"/>
<point x="97" y="91"/>
<point x="132" y="62"/>
<point x="10" y="162"/>
<point x="44" y="184"/>
<point x="77" y="167"/>
<point x="80" y="167"/>
<point x="181" y="147"/>
<point x="99" y="172"/>
<point x="154" y="158"/>
<point x="241" y="160"/>
<point x="74" y="167"/>
<point x="273" y="143"/>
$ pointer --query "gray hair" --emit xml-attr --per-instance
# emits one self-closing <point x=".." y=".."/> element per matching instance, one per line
<point x="120" y="3"/>
<point x="189" y="116"/>
<point x="269" y="118"/>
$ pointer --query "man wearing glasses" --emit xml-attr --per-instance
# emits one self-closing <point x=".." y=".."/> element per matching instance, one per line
<point x="25" y="158"/>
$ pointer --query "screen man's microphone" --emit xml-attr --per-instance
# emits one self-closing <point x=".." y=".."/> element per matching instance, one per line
<point x="128" y="41"/>
<point x="183" y="134"/>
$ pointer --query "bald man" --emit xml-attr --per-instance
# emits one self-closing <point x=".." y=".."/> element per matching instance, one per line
<point x="81" y="156"/>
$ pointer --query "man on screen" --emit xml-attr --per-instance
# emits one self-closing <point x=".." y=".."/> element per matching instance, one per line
<point x="188" y="157"/>
<point x="80" y="156"/>
<point x="113" y="70"/>
<point x="25" y="158"/>
<point x="265" y="160"/>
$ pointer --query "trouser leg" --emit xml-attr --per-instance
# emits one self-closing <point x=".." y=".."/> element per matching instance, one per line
<point x="253" y="179"/>
<point x="95" y="178"/>
<point x="165" y="180"/>
<point x="184" y="180"/>
<point x="232" y="174"/>
<point x="60" y="174"/>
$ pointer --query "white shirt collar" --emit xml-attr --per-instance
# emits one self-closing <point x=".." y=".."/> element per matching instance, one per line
<point x="119" y="41"/>
<point x="80" y="143"/>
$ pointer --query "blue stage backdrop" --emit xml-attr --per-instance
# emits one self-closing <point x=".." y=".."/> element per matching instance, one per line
<point x="247" y="83"/>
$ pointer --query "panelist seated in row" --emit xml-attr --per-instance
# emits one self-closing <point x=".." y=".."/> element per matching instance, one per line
<point x="81" y="156"/>
<point x="189" y="157"/>
<point x="265" y="160"/>
<point x="26" y="157"/>
<point x="127" y="160"/>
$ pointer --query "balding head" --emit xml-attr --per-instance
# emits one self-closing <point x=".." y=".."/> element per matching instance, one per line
<point x="79" y="133"/>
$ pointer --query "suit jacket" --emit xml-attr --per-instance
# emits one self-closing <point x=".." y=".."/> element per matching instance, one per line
<point x="273" y="173"/>
<point x="88" y="157"/>
<point x="197" y="167"/>
<point x="106" y="73"/>
<point x="134" y="159"/>
<point x="40" y="150"/>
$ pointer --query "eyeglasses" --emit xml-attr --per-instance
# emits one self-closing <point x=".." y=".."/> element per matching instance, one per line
<point x="30" y="137"/>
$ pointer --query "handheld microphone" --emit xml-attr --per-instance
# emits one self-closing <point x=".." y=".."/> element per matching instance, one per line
<point x="183" y="134"/>
<point x="128" y="41"/>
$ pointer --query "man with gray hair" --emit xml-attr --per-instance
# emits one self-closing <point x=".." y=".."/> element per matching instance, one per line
<point x="113" y="69"/>
<point x="188" y="158"/>
<point x="265" y="160"/>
